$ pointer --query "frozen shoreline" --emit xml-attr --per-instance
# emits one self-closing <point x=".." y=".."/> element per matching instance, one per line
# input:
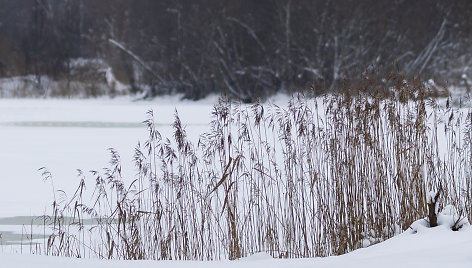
<point x="436" y="247"/>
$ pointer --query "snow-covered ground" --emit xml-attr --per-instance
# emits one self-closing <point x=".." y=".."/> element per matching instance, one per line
<point x="436" y="247"/>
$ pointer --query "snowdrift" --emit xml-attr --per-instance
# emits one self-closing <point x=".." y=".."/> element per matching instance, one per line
<point x="425" y="247"/>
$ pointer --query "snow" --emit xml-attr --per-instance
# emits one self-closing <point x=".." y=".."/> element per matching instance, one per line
<point x="429" y="247"/>
<point x="430" y="197"/>
<point x="449" y="218"/>
<point x="66" y="135"/>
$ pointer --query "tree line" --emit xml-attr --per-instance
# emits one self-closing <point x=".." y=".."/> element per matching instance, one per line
<point x="244" y="48"/>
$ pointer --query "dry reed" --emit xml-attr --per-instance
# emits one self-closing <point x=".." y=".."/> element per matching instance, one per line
<point x="321" y="176"/>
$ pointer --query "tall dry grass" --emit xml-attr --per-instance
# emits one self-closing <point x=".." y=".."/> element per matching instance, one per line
<point x="320" y="176"/>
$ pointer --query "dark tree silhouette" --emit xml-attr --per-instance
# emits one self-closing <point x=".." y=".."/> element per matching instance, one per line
<point x="244" y="48"/>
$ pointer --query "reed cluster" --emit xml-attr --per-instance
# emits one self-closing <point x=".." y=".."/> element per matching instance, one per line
<point x="317" y="177"/>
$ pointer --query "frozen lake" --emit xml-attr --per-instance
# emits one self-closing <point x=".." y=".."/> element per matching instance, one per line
<point x="66" y="135"/>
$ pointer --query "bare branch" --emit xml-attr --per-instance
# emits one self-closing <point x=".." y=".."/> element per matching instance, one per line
<point x="136" y="58"/>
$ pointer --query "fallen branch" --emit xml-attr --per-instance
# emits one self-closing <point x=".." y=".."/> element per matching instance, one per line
<point x="136" y="58"/>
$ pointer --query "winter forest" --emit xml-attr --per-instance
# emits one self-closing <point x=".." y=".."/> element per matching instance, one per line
<point x="247" y="49"/>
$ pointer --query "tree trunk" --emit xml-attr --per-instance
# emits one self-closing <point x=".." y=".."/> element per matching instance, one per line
<point x="432" y="201"/>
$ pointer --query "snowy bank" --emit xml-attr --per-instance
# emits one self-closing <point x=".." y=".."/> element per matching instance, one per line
<point x="429" y="247"/>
